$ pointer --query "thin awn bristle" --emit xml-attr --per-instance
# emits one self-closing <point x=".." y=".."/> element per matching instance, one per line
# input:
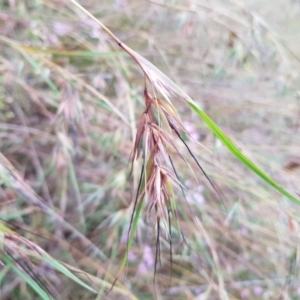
<point x="171" y="246"/>
<point x="202" y="170"/>
<point x="136" y="199"/>
<point x="157" y="253"/>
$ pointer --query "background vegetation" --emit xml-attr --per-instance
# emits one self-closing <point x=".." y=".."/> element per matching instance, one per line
<point x="70" y="102"/>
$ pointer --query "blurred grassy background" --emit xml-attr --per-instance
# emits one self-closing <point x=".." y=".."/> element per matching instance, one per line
<point x="70" y="100"/>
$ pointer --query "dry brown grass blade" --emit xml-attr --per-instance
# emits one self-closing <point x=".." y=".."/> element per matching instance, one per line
<point x="66" y="73"/>
<point x="11" y="177"/>
<point x="159" y="80"/>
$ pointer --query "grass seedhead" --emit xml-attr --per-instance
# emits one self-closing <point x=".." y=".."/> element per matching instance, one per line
<point x="73" y="110"/>
<point x="154" y="145"/>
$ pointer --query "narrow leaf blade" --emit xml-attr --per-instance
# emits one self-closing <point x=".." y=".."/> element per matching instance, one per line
<point x="238" y="154"/>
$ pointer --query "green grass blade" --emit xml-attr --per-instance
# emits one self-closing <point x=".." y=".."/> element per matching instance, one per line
<point x="62" y="269"/>
<point x="238" y="154"/>
<point x="70" y="53"/>
<point x="41" y="71"/>
<point x="9" y="262"/>
<point x="132" y="232"/>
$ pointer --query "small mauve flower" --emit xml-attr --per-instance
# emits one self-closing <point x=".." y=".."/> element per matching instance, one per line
<point x="61" y="28"/>
<point x="120" y="3"/>
<point x="244" y="231"/>
<point x="131" y="256"/>
<point x="192" y="131"/>
<point x="147" y="261"/>
<point x="245" y="294"/>
<point x="94" y="26"/>
<point x="198" y="291"/>
<point x="52" y="38"/>
<point x="196" y="196"/>
<point x="258" y="290"/>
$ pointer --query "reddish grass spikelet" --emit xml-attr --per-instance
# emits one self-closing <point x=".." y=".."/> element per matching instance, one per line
<point x="155" y="145"/>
